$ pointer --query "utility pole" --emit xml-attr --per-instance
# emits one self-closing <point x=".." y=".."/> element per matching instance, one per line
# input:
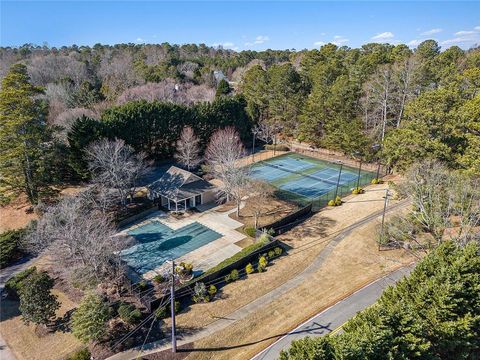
<point x="383" y="217"/>
<point x="338" y="180"/>
<point x="172" y="309"/>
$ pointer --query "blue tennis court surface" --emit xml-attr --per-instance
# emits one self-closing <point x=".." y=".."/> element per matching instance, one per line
<point x="159" y="243"/>
<point x="306" y="177"/>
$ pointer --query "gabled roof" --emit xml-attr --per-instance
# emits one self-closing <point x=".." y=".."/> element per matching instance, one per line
<point x="178" y="184"/>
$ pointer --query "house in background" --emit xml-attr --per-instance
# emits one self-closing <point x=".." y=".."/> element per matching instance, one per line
<point x="179" y="189"/>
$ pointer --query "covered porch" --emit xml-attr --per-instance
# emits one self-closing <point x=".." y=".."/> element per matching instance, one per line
<point x="182" y="204"/>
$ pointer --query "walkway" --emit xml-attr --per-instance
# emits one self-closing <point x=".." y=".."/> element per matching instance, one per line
<point x="335" y="316"/>
<point x="258" y="303"/>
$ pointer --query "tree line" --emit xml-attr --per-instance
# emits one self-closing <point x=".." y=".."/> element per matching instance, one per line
<point x="410" y="104"/>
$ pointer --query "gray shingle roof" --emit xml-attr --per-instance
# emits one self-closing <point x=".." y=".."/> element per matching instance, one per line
<point x="178" y="184"/>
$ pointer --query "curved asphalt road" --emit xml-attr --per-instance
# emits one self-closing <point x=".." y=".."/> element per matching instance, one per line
<point x="335" y="316"/>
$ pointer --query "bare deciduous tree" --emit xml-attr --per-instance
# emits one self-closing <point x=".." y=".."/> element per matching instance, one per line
<point x="188" y="149"/>
<point x="80" y="240"/>
<point x="168" y="90"/>
<point x="260" y="192"/>
<point x="116" y="166"/>
<point x="446" y="204"/>
<point x="223" y="156"/>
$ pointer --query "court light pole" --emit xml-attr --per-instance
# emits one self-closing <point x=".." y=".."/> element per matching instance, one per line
<point x="359" y="172"/>
<point x="255" y="132"/>
<point x="172" y="308"/>
<point x="338" y="180"/>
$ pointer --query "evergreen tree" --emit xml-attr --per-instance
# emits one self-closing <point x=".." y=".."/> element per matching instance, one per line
<point x="89" y="320"/>
<point x="223" y="88"/>
<point x="25" y="139"/>
<point x="37" y="303"/>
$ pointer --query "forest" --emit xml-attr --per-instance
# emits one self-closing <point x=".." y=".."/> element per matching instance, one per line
<point x="378" y="102"/>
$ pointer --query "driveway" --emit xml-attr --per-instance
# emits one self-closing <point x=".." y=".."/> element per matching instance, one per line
<point x="335" y="316"/>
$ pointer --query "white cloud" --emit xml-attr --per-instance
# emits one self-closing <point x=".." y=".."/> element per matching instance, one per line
<point x="338" y="40"/>
<point x="383" y="36"/>
<point x="260" y="39"/>
<point x="463" y="32"/>
<point x="431" y="32"/>
<point x="477" y="28"/>
<point x="414" y="42"/>
<point x="460" y="40"/>
<point x="140" y="40"/>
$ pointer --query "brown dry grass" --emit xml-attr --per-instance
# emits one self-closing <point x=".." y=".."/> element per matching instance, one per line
<point x="23" y="341"/>
<point x="355" y="262"/>
<point x="16" y="215"/>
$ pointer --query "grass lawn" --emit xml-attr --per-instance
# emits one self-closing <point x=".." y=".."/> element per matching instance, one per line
<point x="23" y="341"/>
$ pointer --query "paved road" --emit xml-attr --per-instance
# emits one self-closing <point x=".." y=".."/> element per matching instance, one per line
<point x="332" y="318"/>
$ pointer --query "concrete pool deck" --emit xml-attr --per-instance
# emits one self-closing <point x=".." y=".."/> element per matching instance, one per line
<point x="205" y="256"/>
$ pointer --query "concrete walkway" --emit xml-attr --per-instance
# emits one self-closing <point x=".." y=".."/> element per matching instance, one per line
<point x="335" y="316"/>
<point x="258" y="303"/>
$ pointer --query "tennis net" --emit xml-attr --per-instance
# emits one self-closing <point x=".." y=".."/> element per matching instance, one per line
<point x="303" y="174"/>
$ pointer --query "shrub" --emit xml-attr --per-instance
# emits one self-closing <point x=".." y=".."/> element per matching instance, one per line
<point x="14" y="284"/>
<point x="250" y="231"/>
<point x="377" y="181"/>
<point x="158" y="279"/>
<point x="278" y="251"/>
<point x="212" y="290"/>
<point x="142" y="285"/>
<point x="331" y="202"/>
<point x="129" y="313"/>
<point x="233" y="276"/>
<point x="249" y="269"/>
<point x="200" y="293"/>
<point x="336" y="202"/>
<point x="10" y="246"/>
<point x="262" y="264"/>
<point x="82" y="354"/>
<point x="271" y="254"/>
<point x="357" y="190"/>
<point x="184" y="269"/>
<point x="161" y="312"/>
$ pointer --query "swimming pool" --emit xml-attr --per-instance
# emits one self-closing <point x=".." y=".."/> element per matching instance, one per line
<point x="158" y="243"/>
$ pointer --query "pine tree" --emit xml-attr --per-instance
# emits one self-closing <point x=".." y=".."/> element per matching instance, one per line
<point x="25" y="140"/>
<point x="88" y="321"/>
<point x="37" y="303"/>
<point x="223" y="88"/>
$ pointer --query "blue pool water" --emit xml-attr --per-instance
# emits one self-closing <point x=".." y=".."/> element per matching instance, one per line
<point x="158" y="243"/>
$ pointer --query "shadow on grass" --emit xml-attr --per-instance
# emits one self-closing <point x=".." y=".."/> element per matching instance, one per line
<point x="314" y="329"/>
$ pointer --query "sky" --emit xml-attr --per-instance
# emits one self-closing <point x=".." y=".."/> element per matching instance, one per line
<point x="255" y="25"/>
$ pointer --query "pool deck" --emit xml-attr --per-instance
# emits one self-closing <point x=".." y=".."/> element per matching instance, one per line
<point x="208" y="255"/>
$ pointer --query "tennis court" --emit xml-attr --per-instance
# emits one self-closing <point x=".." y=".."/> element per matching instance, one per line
<point x="304" y="179"/>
